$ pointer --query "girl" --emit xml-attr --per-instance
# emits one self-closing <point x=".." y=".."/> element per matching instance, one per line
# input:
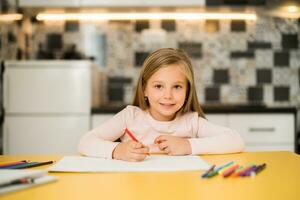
<point x="165" y="117"/>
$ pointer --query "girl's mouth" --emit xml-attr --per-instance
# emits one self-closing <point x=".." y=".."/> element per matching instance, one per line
<point x="168" y="105"/>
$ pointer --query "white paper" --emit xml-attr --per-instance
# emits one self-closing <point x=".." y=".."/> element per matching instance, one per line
<point x="157" y="163"/>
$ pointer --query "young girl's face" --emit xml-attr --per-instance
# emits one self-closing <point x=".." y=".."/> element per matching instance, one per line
<point x="166" y="91"/>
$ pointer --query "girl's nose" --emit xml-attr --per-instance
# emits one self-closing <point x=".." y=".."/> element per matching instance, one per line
<point x="168" y="94"/>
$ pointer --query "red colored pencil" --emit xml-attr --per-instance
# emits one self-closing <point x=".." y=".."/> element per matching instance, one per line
<point x="131" y="135"/>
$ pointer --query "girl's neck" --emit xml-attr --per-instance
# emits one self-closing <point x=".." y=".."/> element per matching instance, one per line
<point x="167" y="119"/>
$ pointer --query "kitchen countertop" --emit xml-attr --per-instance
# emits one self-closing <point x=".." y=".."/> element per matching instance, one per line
<point x="211" y="109"/>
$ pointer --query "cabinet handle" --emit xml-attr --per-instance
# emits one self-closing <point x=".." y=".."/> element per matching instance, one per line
<point x="6" y="92"/>
<point x="6" y="139"/>
<point x="261" y="129"/>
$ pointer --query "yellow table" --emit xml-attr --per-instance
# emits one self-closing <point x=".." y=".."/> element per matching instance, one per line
<point x="280" y="180"/>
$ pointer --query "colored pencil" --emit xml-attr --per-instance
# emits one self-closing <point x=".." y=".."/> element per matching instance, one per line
<point x="230" y="170"/>
<point x="28" y="165"/>
<point x="208" y="171"/>
<point x="12" y="164"/>
<point x="131" y="135"/>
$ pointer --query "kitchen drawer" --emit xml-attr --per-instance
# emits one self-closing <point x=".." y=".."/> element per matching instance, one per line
<point x="275" y="129"/>
<point x="44" y="134"/>
<point x="270" y="147"/>
<point x="38" y="87"/>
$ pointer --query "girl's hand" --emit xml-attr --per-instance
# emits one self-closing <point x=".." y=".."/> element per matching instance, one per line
<point x="130" y="151"/>
<point x="173" y="145"/>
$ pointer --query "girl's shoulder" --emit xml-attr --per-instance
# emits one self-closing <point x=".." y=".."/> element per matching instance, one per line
<point x="192" y="117"/>
<point x="189" y="115"/>
<point x="134" y="112"/>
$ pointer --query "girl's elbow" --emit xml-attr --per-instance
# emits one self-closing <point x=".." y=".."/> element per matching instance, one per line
<point x="82" y="144"/>
<point x="239" y="142"/>
<point x="80" y="148"/>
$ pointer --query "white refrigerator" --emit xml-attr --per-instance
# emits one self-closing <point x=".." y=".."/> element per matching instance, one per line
<point x="47" y="106"/>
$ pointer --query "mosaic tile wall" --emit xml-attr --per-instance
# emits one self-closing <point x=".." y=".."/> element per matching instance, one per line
<point x="235" y="62"/>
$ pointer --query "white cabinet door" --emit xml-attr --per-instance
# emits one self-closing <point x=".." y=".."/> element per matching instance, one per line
<point x="51" y="3"/>
<point x="98" y="119"/>
<point x="44" y="135"/>
<point x="89" y="3"/>
<point x="142" y="3"/>
<point x="173" y="3"/>
<point x="47" y="87"/>
<point x="265" y="131"/>
<point x="219" y="119"/>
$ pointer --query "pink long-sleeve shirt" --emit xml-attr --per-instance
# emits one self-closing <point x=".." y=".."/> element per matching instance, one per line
<point x="204" y="136"/>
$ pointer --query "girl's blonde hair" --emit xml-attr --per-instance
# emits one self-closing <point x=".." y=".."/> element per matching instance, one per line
<point x="162" y="58"/>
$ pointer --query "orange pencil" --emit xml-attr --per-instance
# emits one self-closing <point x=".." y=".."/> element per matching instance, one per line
<point x="246" y="168"/>
<point x="230" y="170"/>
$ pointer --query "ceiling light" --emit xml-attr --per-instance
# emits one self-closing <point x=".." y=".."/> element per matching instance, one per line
<point x="292" y="9"/>
<point x="10" y="17"/>
<point x="284" y="9"/>
<point x="144" y="16"/>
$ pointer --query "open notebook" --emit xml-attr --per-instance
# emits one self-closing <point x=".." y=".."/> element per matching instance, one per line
<point x="14" y="179"/>
<point x="153" y="163"/>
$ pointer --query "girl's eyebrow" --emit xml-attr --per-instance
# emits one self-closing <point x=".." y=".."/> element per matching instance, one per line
<point x="177" y="82"/>
<point x="181" y="82"/>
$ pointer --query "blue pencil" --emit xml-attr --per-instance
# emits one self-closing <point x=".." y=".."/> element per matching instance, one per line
<point x="208" y="171"/>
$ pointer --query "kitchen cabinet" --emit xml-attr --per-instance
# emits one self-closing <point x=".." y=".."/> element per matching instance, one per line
<point x="135" y="3"/>
<point x="47" y="105"/>
<point x="142" y="3"/>
<point x="47" y="87"/>
<point x="173" y="3"/>
<point x="52" y="3"/>
<point x="44" y="134"/>
<point x="109" y="3"/>
<point x="265" y="131"/>
<point x="260" y="131"/>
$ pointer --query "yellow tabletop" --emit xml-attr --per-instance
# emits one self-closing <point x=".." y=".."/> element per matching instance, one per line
<point x="280" y="180"/>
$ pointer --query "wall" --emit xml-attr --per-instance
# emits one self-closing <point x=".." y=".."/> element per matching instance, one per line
<point x="235" y="62"/>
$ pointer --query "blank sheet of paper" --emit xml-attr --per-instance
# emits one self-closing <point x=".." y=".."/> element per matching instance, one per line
<point x="155" y="163"/>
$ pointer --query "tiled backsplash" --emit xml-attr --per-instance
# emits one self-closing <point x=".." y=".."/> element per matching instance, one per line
<point x="235" y="62"/>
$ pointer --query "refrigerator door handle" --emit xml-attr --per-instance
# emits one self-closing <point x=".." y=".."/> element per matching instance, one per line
<point x="6" y="91"/>
<point x="5" y="139"/>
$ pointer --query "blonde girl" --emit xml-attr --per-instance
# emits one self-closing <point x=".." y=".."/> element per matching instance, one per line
<point x="165" y="117"/>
